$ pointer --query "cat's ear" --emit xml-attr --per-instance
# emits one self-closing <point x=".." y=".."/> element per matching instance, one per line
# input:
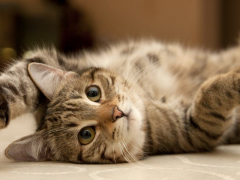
<point x="29" y="148"/>
<point x="47" y="78"/>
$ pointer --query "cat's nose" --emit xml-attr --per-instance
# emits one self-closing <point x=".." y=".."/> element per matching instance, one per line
<point x="117" y="113"/>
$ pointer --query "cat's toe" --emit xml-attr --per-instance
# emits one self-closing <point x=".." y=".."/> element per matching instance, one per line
<point x="3" y="112"/>
<point x="3" y="122"/>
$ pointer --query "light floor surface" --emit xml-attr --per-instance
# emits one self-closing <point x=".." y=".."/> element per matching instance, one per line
<point x="222" y="164"/>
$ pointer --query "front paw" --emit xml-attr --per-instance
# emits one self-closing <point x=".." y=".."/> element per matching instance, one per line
<point x="4" y="119"/>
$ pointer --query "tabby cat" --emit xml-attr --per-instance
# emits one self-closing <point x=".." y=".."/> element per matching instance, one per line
<point x="121" y="104"/>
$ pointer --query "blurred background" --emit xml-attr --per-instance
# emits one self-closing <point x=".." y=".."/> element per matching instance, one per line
<point x="73" y="25"/>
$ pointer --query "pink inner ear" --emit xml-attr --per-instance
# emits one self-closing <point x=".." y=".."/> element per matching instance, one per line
<point x="19" y="153"/>
<point x="29" y="148"/>
<point x="46" y="78"/>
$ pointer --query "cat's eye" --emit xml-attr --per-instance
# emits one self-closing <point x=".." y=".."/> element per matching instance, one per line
<point x="86" y="135"/>
<point x="93" y="93"/>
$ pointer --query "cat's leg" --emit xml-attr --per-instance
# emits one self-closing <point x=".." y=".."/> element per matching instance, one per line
<point x="183" y="125"/>
<point x="18" y="93"/>
<point x="233" y="134"/>
<point x="212" y="117"/>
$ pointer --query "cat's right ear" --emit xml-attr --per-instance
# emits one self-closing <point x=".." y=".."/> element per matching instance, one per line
<point x="47" y="78"/>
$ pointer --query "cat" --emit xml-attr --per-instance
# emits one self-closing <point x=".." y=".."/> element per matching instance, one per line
<point x="122" y="103"/>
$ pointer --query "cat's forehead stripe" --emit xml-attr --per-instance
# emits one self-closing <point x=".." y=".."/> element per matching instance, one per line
<point x="93" y="72"/>
<point x="113" y="80"/>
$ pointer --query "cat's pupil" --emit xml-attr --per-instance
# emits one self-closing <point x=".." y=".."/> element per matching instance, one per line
<point x="92" y="93"/>
<point x="86" y="134"/>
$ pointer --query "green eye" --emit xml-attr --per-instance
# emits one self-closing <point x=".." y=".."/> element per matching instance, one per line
<point x="93" y="93"/>
<point x="86" y="135"/>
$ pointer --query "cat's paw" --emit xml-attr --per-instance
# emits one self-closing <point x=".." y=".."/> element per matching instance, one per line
<point x="4" y="120"/>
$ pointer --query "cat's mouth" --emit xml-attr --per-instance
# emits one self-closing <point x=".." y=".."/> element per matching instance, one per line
<point x="122" y="126"/>
<point x="126" y="110"/>
<point x="127" y="116"/>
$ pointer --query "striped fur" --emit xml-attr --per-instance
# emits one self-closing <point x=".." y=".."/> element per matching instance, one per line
<point x="176" y="100"/>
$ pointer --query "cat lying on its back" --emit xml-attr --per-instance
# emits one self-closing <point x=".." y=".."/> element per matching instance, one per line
<point x="121" y="104"/>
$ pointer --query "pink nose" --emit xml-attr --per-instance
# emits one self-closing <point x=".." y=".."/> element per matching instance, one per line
<point x="117" y="113"/>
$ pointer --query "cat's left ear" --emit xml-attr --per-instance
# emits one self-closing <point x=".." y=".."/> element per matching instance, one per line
<point x="29" y="148"/>
<point x="47" y="78"/>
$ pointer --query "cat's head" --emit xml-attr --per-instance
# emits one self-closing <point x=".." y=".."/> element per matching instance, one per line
<point x="94" y="117"/>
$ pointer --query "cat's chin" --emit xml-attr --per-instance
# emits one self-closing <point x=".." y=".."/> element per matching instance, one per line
<point x="135" y="135"/>
<point x="128" y="146"/>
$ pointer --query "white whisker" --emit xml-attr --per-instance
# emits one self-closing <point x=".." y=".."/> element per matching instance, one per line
<point x="130" y="67"/>
<point x="124" y="156"/>
<point x="136" y="82"/>
<point x="130" y="154"/>
<point x="114" y="157"/>
<point x="141" y="72"/>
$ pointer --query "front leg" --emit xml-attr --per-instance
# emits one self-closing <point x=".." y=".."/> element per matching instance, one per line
<point x="211" y="117"/>
<point x="178" y="126"/>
